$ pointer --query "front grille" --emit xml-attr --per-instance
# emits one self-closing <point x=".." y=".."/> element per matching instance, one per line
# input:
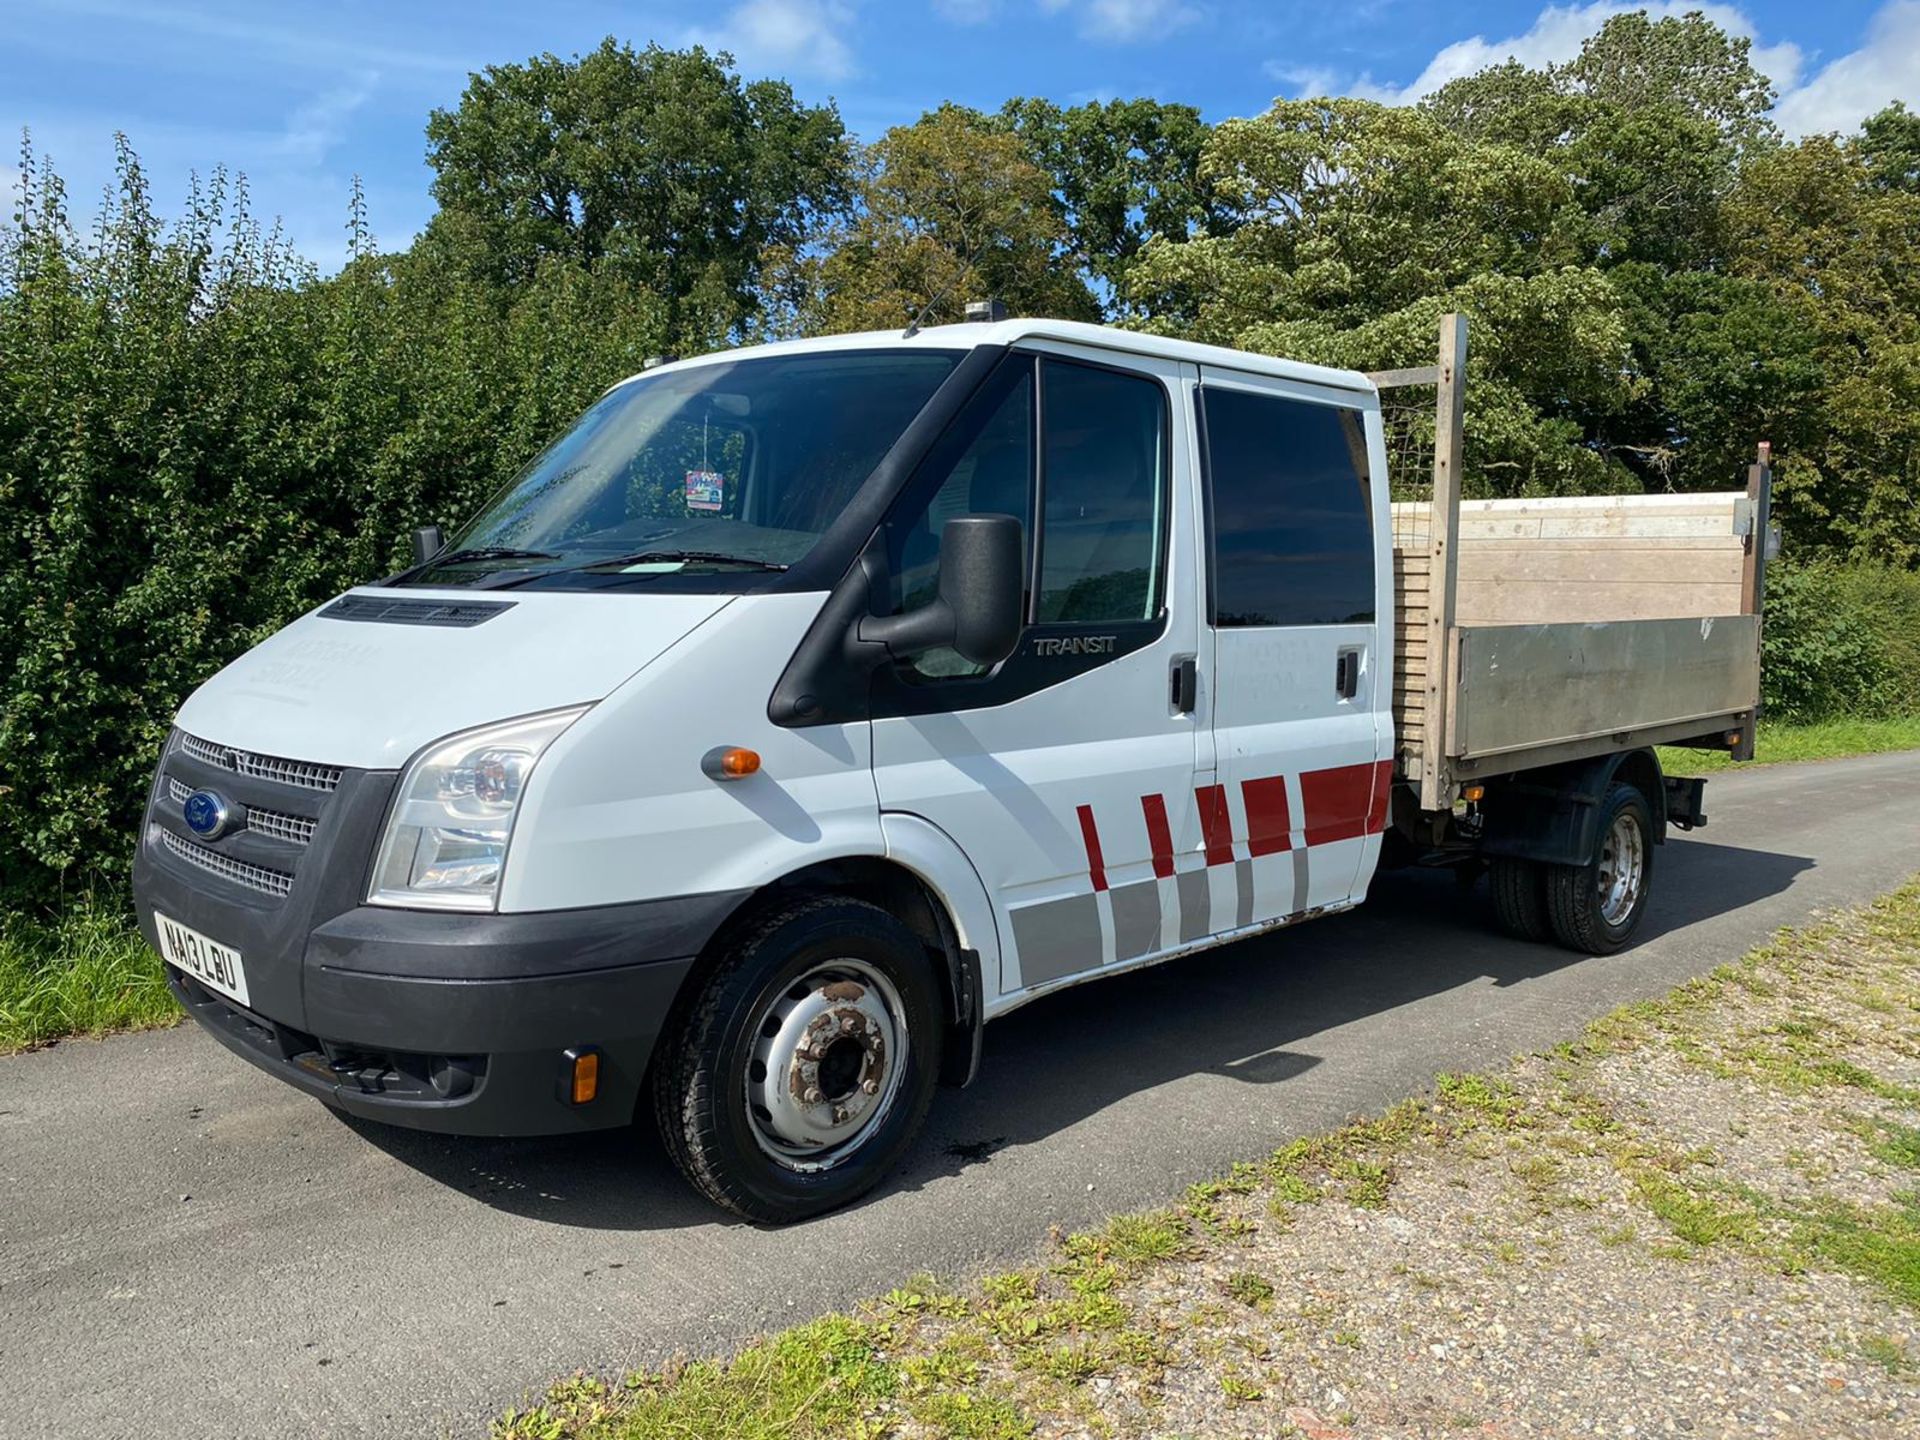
<point x="255" y="877"/>
<point x="299" y="773"/>
<point x="294" y="829"/>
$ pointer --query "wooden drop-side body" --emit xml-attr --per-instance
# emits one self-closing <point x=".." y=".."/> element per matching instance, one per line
<point x="1575" y="627"/>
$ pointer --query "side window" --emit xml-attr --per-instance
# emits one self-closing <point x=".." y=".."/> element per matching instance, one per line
<point x="986" y="470"/>
<point x="1292" y="528"/>
<point x="1103" y="484"/>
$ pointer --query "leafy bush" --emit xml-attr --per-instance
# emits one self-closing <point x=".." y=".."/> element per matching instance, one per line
<point x="1841" y="642"/>
<point x="201" y="439"/>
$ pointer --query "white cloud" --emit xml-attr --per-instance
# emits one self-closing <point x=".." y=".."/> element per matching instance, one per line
<point x="787" y="38"/>
<point x="1838" y="96"/>
<point x="1304" y="81"/>
<point x="1556" y="36"/>
<point x="316" y="127"/>
<point x="1847" y="90"/>
<point x="1122" y="22"/>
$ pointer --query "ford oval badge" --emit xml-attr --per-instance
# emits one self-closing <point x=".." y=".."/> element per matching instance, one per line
<point x="207" y="814"/>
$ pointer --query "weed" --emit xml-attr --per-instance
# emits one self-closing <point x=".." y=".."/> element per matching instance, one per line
<point x="1250" y="1289"/>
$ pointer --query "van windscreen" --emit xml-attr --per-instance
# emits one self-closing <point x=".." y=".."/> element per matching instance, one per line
<point x="730" y="466"/>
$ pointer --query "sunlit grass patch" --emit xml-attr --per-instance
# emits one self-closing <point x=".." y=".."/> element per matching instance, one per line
<point x="83" y="973"/>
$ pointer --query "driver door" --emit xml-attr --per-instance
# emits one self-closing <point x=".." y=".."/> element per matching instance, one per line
<point x="1066" y="773"/>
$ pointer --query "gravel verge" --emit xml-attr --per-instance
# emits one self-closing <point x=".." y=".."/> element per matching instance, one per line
<point x="1702" y="1219"/>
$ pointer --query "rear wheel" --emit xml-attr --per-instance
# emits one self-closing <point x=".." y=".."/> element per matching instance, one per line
<point x="799" y="1074"/>
<point x="1596" y="907"/>
<point x="1520" y="897"/>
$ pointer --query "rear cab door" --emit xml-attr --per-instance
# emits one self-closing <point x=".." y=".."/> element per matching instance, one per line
<point x="1298" y="608"/>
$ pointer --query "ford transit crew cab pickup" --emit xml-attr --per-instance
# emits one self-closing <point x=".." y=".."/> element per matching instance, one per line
<point x="804" y="707"/>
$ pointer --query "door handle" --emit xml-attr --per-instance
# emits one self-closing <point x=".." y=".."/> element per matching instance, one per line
<point x="1186" y="684"/>
<point x="1346" y="674"/>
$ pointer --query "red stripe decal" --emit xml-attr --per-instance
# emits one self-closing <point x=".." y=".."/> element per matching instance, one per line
<point x="1267" y="819"/>
<point x="1096" y="862"/>
<point x="1338" y="802"/>
<point x="1159" y="834"/>
<point x="1382" y="788"/>
<point x="1216" y="826"/>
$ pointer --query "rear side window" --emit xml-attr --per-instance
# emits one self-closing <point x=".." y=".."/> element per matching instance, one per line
<point x="1292" y="529"/>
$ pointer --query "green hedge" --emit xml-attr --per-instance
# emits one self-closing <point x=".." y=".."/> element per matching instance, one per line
<point x="1841" y="642"/>
<point x="200" y="439"/>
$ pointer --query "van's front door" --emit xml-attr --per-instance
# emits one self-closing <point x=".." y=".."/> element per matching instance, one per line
<point x="1294" y="599"/>
<point x="1066" y="773"/>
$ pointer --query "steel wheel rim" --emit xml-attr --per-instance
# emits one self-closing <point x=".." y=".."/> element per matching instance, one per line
<point x="829" y="1056"/>
<point x="1622" y="869"/>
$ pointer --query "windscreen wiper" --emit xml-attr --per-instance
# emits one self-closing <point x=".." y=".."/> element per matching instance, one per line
<point x="713" y="557"/>
<point x="643" y="557"/>
<point x="481" y="553"/>
<point x="489" y="552"/>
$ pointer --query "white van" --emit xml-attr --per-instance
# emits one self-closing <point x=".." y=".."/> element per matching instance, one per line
<point x="804" y="707"/>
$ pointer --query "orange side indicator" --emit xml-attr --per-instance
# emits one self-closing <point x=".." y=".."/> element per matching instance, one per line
<point x="586" y="1076"/>
<point x="730" y="762"/>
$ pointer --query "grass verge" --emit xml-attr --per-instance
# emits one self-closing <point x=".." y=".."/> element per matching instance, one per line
<point x="85" y="973"/>
<point x="1575" y="1243"/>
<point x="1820" y="740"/>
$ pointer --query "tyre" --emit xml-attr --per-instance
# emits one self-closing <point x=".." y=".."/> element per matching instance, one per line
<point x="799" y="1071"/>
<point x="1520" y="897"/>
<point x="1596" y="907"/>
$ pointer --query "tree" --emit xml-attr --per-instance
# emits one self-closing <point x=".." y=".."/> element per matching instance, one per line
<point x="1348" y="210"/>
<point x="1687" y="64"/>
<point x="1813" y="224"/>
<point x="1123" y="172"/>
<point x="1359" y="224"/>
<point x="659" y="161"/>
<point x="1890" y="144"/>
<point x="950" y="209"/>
<point x="1650" y="122"/>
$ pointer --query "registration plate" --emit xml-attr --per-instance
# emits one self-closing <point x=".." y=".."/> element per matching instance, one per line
<point x="214" y="965"/>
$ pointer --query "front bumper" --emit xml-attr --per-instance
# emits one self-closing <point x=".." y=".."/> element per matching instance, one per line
<point x="447" y="1022"/>
<point x="463" y="1058"/>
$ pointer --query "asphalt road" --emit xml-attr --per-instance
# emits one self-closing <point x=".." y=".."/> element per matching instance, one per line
<point x="189" y="1247"/>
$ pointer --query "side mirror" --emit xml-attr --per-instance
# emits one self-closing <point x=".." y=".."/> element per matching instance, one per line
<point x="977" y="611"/>
<point x="427" y="543"/>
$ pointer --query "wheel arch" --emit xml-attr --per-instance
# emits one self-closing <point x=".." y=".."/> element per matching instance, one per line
<point x="1552" y="814"/>
<point x="911" y="898"/>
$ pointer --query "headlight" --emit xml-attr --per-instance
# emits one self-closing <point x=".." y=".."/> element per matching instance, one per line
<point x="446" y="838"/>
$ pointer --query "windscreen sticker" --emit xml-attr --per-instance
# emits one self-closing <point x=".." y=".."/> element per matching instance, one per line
<point x="706" y="490"/>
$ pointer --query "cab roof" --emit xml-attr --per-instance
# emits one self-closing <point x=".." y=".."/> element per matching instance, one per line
<point x="1074" y="332"/>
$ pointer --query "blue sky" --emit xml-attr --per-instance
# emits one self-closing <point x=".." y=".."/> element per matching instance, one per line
<point x="302" y="97"/>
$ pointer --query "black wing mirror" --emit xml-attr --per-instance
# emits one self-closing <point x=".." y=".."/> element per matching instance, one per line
<point x="978" y="609"/>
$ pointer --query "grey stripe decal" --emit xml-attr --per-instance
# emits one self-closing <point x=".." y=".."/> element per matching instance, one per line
<point x="1196" y="905"/>
<point x="1243" y="877"/>
<point x="1057" y="937"/>
<point x="1299" y="880"/>
<point x="1136" y="919"/>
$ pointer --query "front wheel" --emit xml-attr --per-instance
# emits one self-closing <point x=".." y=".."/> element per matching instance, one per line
<point x="801" y="1070"/>
<point x="1596" y="907"/>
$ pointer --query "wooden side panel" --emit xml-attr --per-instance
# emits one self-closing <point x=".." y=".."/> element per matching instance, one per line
<point x="1412" y="581"/>
<point x="1589" y="559"/>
